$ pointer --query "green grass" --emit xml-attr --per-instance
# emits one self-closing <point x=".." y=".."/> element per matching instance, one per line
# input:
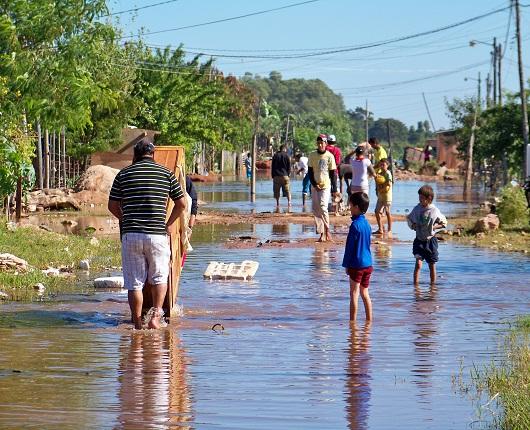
<point x="509" y="380"/>
<point x="43" y="249"/>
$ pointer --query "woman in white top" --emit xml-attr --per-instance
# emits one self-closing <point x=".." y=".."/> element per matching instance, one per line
<point x="361" y="168"/>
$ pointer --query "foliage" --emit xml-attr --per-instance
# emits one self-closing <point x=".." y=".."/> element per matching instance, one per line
<point x="42" y="249"/>
<point x="498" y="134"/>
<point x="512" y="209"/>
<point x="508" y="380"/>
<point x="190" y="101"/>
<point x="295" y="96"/>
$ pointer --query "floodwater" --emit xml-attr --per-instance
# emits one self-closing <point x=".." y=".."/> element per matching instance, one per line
<point x="287" y="357"/>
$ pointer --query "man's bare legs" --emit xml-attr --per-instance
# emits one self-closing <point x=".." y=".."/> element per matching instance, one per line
<point x="417" y="269"/>
<point x="136" y="300"/>
<point x="158" y="293"/>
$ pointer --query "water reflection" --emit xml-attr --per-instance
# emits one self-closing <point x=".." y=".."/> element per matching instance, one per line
<point x="425" y="347"/>
<point x="321" y="261"/>
<point x="154" y="391"/>
<point x="281" y="229"/>
<point x="382" y="255"/>
<point x="357" y="389"/>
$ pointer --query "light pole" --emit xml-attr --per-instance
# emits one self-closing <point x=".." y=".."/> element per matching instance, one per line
<point x="469" y="158"/>
<point x="479" y="101"/>
<point x="496" y="57"/>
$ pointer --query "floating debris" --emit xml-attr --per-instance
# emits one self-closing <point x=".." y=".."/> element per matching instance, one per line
<point x="244" y="271"/>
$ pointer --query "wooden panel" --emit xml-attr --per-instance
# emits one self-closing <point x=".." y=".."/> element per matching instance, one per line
<point x="173" y="158"/>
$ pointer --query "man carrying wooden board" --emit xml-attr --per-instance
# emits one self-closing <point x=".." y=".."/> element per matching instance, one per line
<point x="138" y="198"/>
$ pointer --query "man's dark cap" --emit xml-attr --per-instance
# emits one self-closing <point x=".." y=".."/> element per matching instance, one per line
<point x="144" y="147"/>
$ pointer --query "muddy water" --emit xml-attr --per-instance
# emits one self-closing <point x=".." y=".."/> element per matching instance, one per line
<point x="287" y="357"/>
<point x="234" y="195"/>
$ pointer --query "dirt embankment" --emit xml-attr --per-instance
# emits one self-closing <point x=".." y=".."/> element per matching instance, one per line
<point x="227" y="218"/>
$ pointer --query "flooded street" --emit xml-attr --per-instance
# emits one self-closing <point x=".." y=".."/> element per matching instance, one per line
<point x="287" y="357"/>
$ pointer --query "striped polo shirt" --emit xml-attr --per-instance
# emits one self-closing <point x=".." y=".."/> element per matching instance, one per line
<point x="143" y="189"/>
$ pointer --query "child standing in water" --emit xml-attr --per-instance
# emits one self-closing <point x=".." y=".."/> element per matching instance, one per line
<point x="425" y="218"/>
<point x="357" y="256"/>
<point x="383" y="181"/>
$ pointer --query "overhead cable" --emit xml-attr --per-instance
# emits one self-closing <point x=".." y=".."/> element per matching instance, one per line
<point x="136" y="9"/>
<point x="225" y="19"/>
<point x="358" y="47"/>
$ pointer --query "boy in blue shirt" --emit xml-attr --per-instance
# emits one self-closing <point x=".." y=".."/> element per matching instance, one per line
<point x="357" y="256"/>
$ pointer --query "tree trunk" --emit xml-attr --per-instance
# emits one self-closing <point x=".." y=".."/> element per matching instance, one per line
<point x="46" y="159"/>
<point x="39" y="157"/>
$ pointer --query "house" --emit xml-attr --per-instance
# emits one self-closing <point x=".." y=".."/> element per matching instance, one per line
<point x="446" y="149"/>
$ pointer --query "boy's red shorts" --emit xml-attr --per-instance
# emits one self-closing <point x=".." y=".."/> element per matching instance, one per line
<point x="361" y="276"/>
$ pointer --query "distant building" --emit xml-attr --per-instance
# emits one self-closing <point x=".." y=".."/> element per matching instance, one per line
<point x="446" y="149"/>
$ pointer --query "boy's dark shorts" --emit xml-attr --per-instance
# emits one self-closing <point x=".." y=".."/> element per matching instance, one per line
<point x="426" y="250"/>
<point x="361" y="276"/>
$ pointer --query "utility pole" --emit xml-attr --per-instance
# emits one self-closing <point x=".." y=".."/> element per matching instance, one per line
<point x="494" y="59"/>
<point x="428" y="112"/>
<point x="499" y="59"/>
<point x="469" y="158"/>
<point x="479" y="101"/>
<point x="254" y="143"/>
<point x="287" y="131"/>
<point x="366" y="121"/>
<point x="522" y="93"/>
<point x="488" y="91"/>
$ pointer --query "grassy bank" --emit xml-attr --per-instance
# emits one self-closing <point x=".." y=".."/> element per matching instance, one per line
<point x="43" y="249"/>
<point x="508" y="381"/>
<point x="514" y="239"/>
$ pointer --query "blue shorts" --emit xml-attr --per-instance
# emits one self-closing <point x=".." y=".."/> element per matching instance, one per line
<point x="426" y="250"/>
<point x="249" y="173"/>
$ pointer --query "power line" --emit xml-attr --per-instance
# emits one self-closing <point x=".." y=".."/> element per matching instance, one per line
<point x="355" y="47"/>
<point x="225" y="19"/>
<point x="136" y="9"/>
<point x="369" y="88"/>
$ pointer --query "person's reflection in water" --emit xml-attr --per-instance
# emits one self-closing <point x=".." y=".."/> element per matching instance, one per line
<point x="382" y="255"/>
<point x="358" y="378"/>
<point x="321" y="260"/>
<point x="153" y="390"/>
<point x="425" y="330"/>
<point x="281" y="229"/>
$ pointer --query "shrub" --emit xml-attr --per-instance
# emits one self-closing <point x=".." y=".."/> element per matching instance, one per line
<point x="512" y="208"/>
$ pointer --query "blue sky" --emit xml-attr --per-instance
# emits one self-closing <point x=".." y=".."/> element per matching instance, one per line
<point x="379" y="74"/>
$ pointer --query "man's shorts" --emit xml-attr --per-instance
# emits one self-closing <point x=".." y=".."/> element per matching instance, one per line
<point x="145" y="257"/>
<point x="382" y="205"/>
<point x="426" y="250"/>
<point x="360" y="276"/>
<point x="280" y="182"/>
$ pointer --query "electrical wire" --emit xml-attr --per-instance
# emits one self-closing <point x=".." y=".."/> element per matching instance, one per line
<point x="358" y="47"/>
<point x="136" y="9"/>
<point x="224" y="19"/>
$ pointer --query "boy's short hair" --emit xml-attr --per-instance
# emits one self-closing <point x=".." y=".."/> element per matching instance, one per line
<point x="361" y="200"/>
<point x="427" y="192"/>
<point x="384" y="160"/>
